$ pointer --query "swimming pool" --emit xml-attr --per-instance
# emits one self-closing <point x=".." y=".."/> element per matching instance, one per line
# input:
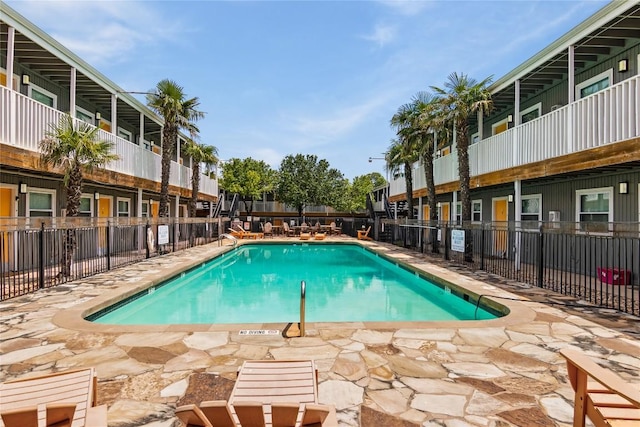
<point x="260" y="283"/>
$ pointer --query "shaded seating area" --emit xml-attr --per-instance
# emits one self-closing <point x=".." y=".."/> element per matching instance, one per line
<point x="266" y="393"/>
<point x="601" y="395"/>
<point x="364" y="234"/>
<point x="59" y="399"/>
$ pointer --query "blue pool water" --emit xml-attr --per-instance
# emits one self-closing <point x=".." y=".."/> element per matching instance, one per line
<point x="261" y="284"/>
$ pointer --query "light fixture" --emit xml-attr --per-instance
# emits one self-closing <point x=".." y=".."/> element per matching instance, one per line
<point x="98" y="115"/>
<point x="510" y="198"/>
<point x="22" y="188"/>
<point x="623" y="65"/>
<point x="510" y="118"/>
<point x="25" y="79"/>
<point x="96" y="195"/>
<point x="623" y="187"/>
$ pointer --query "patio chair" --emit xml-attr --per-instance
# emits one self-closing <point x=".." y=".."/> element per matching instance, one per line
<point x="288" y="231"/>
<point x="335" y="229"/>
<point x="55" y="395"/>
<point x="267" y="229"/>
<point x="364" y="235"/>
<point x="600" y="394"/>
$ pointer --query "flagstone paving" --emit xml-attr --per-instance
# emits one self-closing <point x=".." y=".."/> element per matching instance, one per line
<point x="453" y="375"/>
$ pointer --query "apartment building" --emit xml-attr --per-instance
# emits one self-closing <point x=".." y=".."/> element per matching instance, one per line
<point x="563" y="141"/>
<point x="41" y="80"/>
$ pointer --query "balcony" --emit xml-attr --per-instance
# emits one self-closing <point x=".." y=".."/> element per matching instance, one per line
<point x="607" y="117"/>
<point x="24" y="123"/>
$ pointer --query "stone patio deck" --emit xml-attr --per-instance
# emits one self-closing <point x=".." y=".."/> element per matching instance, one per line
<point x="454" y="374"/>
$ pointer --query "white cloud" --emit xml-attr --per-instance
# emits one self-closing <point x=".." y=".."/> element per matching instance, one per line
<point x="101" y="32"/>
<point x="406" y="7"/>
<point x="382" y="35"/>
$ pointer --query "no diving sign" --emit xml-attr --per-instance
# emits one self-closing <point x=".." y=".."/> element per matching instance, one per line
<point x="259" y="332"/>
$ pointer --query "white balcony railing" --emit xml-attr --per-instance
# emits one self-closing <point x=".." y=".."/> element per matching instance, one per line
<point x="606" y="117"/>
<point x="25" y="122"/>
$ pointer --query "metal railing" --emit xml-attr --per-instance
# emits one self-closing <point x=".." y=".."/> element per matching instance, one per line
<point x="598" y="263"/>
<point x="37" y="253"/>
<point x="303" y="299"/>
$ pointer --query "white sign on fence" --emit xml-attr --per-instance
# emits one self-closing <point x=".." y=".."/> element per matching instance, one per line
<point x="457" y="240"/>
<point x="163" y="234"/>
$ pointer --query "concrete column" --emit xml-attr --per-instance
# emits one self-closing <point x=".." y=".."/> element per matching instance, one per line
<point x="141" y="141"/>
<point x="571" y="96"/>
<point x="11" y="40"/>
<point x="114" y="114"/>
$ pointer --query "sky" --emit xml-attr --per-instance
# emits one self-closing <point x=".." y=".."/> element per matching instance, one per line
<point x="278" y="78"/>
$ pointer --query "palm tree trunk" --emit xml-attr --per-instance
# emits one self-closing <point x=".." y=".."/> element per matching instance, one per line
<point x="74" y="192"/>
<point x="462" y="145"/>
<point x="431" y="198"/>
<point x="408" y="177"/>
<point x="169" y="136"/>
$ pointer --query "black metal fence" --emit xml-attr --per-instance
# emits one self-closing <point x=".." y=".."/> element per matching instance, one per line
<point x="601" y="266"/>
<point x="36" y="253"/>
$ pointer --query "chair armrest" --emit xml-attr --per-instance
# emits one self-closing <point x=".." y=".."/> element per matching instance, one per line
<point x="607" y="378"/>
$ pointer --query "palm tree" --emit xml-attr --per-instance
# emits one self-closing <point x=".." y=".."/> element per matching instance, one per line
<point x="421" y="118"/>
<point x="201" y="155"/>
<point x="461" y="97"/>
<point x="178" y="112"/>
<point x="74" y="149"/>
<point x="401" y="155"/>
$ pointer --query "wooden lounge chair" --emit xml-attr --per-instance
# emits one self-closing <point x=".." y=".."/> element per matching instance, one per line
<point x="364" y="235"/>
<point x="319" y="236"/>
<point x="305" y="236"/>
<point x="276" y="382"/>
<point x="240" y="233"/>
<point x="55" y="395"/>
<point x="600" y="394"/>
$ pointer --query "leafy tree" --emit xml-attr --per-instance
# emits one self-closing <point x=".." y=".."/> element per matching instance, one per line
<point x="202" y="155"/>
<point x="249" y="178"/>
<point x="461" y="97"/>
<point x="355" y="196"/>
<point x="74" y="148"/>
<point x="169" y="101"/>
<point x="303" y="180"/>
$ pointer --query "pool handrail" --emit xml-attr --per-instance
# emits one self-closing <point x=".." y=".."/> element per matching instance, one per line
<point x="227" y="236"/>
<point x="303" y="291"/>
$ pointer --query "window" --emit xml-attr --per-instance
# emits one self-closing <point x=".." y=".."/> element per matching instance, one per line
<point x="594" y="84"/>
<point x="124" y="134"/>
<point x="531" y="208"/>
<point x="42" y="95"/>
<point x="476" y="211"/>
<point x="475" y="138"/>
<point x="123" y="207"/>
<point x="85" y="116"/>
<point x="85" y="208"/>
<point x="41" y="203"/>
<point x="530" y="113"/>
<point x="145" y="210"/>
<point x="594" y="205"/>
<point x="459" y="212"/>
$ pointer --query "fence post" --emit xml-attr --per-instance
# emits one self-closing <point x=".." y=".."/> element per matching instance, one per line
<point x="108" y="231"/>
<point x="446" y="242"/>
<point x="540" y="257"/>
<point x="41" y="254"/>
<point x="482" y="237"/>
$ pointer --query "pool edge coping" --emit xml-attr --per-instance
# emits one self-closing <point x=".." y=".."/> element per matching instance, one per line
<point x="73" y="318"/>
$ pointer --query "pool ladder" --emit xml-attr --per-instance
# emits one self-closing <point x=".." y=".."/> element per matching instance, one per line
<point x="303" y="289"/>
<point x="227" y="236"/>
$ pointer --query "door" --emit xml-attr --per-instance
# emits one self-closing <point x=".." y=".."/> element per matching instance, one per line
<point x="425" y="213"/>
<point x="445" y="214"/>
<point x="6" y="210"/>
<point x="500" y="218"/>
<point x="104" y="211"/>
